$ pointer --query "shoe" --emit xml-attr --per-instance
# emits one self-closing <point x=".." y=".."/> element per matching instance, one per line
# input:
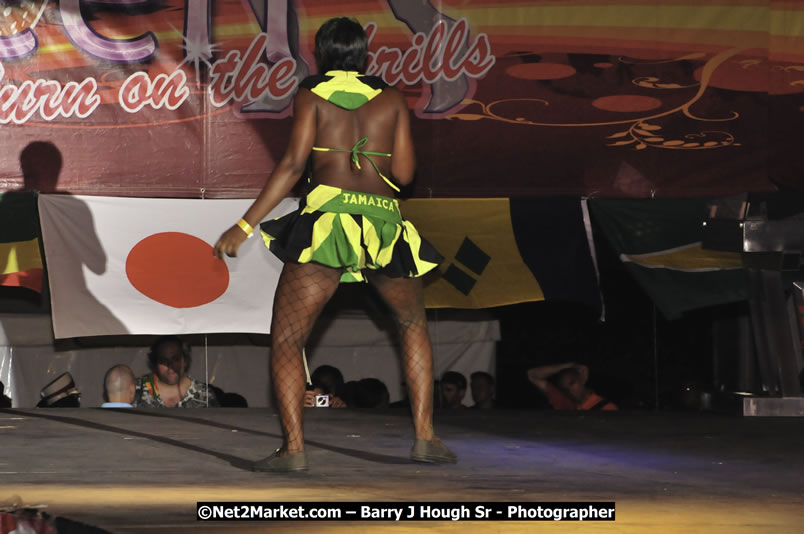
<point x="288" y="463"/>
<point x="432" y="451"/>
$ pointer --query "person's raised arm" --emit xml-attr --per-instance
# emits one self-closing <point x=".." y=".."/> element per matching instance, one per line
<point x="403" y="160"/>
<point x="583" y="372"/>
<point x="283" y="177"/>
<point x="538" y="375"/>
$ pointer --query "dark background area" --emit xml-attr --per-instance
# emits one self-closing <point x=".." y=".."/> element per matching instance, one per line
<point x="636" y="357"/>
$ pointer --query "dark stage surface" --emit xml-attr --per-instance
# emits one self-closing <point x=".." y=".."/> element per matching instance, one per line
<point x="132" y="471"/>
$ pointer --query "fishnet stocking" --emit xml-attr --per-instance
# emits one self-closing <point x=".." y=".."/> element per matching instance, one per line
<point x="301" y="294"/>
<point x="404" y="297"/>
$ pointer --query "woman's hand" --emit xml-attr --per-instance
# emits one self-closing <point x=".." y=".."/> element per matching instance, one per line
<point x="229" y="242"/>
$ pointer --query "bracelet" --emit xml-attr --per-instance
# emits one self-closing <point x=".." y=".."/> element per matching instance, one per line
<point x="246" y="227"/>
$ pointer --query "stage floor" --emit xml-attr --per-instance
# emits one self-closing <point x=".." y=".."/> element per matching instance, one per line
<point x="132" y="471"/>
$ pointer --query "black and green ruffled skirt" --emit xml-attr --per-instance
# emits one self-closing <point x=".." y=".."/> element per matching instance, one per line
<point x="351" y="231"/>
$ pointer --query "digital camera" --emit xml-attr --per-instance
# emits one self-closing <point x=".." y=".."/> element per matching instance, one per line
<point x="322" y="401"/>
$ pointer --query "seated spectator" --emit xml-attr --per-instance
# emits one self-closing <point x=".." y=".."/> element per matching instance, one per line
<point x="215" y="390"/>
<point x="453" y="390"/>
<point x="570" y="391"/>
<point x="5" y="402"/>
<point x="228" y="400"/>
<point x="168" y="385"/>
<point x="327" y="380"/>
<point x="371" y="393"/>
<point x="483" y="390"/>
<point x="119" y="388"/>
<point x="350" y="392"/>
<point x="404" y="402"/>
<point x="233" y="400"/>
<point x="60" y="393"/>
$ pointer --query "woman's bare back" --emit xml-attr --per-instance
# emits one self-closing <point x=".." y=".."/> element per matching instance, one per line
<point x="339" y="128"/>
<point x="384" y="121"/>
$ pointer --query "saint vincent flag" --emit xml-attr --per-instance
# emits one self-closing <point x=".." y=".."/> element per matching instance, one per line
<point x="660" y="242"/>
<point x="20" y="259"/>
<point x="145" y="266"/>
<point x="501" y="251"/>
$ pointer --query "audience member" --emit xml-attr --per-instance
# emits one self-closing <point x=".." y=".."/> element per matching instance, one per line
<point x="570" y="391"/>
<point x="483" y="390"/>
<point x="60" y="393"/>
<point x="233" y="400"/>
<point x="5" y="402"/>
<point x="327" y="380"/>
<point x="228" y="399"/>
<point x="119" y="388"/>
<point x="404" y="402"/>
<point x="168" y="385"/>
<point x="215" y="390"/>
<point x="371" y="393"/>
<point x="453" y="390"/>
<point x="350" y="392"/>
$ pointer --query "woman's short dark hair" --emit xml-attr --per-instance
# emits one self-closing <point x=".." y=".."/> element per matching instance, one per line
<point x="341" y="44"/>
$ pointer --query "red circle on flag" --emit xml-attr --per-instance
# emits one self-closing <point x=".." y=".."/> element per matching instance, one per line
<point x="177" y="270"/>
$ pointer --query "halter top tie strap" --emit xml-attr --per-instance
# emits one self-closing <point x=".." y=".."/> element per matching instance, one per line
<point x="355" y="156"/>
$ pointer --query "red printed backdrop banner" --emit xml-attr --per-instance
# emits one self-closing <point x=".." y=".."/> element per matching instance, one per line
<point x="192" y="98"/>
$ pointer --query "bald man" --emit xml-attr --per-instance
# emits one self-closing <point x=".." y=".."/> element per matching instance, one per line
<point x="119" y="386"/>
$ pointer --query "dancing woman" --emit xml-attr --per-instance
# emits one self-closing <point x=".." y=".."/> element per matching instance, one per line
<point x="347" y="229"/>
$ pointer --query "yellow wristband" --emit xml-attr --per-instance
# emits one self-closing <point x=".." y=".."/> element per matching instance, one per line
<point x="246" y="227"/>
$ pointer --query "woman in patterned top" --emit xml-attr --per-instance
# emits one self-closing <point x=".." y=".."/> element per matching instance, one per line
<point x="168" y="385"/>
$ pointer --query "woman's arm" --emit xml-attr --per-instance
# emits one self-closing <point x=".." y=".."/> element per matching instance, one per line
<point x="284" y="175"/>
<point x="403" y="160"/>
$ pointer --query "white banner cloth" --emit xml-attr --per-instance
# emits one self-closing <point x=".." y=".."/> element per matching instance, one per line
<point x="145" y="266"/>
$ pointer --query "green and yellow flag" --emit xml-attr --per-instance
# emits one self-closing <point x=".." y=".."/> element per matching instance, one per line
<point x="660" y="243"/>
<point x="20" y="258"/>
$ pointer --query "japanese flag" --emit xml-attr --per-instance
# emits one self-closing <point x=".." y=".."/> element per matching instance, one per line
<point x="145" y="266"/>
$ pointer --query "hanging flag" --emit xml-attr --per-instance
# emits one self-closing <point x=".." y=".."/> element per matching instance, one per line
<point x="554" y="236"/>
<point x="145" y="266"/>
<point x="660" y="242"/>
<point x="499" y="251"/>
<point x="20" y="258"/>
